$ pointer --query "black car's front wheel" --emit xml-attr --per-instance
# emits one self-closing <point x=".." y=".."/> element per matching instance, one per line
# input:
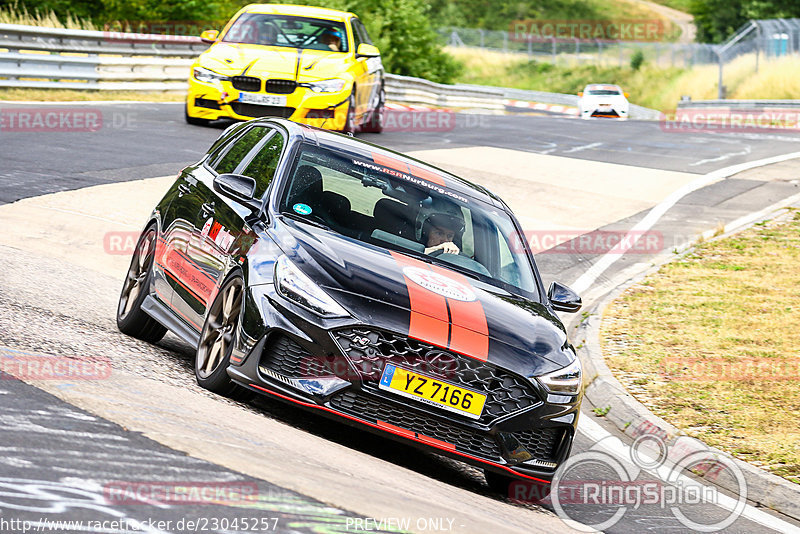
<point x="131" y="319"/>
<point x="217" y="338"/>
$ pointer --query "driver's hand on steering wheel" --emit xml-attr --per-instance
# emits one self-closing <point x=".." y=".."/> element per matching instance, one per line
<point x="447" y="248"/>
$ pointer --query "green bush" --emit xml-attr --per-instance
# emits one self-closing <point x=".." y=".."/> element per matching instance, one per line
<point x="637" y="59"/>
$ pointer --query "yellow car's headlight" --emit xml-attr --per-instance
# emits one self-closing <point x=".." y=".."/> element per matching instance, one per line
<point x="207" y="76"/>
<point x="326" y="86"/>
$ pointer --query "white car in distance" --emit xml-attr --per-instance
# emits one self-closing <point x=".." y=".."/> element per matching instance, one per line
<point x="603" y="100"/>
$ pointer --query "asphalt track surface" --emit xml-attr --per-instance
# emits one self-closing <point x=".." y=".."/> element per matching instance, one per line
<point x="145" y="140"/>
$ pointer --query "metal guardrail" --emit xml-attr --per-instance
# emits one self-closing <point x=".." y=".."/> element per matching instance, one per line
<point x="94" y="60"/>
<point x="740" y="105"/>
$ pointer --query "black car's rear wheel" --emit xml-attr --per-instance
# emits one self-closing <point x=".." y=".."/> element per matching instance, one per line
<point x="217" y="338"/>
<point x="131" y="319"/>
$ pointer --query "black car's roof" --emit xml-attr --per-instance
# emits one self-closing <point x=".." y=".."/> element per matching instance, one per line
<point x="385" y="156"/>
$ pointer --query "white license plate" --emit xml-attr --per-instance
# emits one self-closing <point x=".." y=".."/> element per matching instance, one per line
<point x="264" y="100"/>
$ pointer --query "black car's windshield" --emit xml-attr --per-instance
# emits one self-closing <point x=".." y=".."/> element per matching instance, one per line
<point x="283" y="30"/>
<point x="374" y="202"/>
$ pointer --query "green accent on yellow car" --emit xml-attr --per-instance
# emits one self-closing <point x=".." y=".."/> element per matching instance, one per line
<point x="312" y="65"/>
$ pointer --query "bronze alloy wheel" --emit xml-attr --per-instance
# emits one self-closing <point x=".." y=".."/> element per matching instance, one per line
<point x="131" y="319"/>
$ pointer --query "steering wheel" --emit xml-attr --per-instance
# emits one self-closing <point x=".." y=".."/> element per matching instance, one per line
<point x="460" y="260"/>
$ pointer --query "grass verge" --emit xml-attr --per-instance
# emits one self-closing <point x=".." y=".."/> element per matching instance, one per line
<point x="652" y="86"/>
<point x="66" y="95"/>
<point x="708" y="344"/>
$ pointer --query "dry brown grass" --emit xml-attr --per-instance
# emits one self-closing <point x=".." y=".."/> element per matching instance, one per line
<point x="710" y="344"/>
<point x="66" y="95"/>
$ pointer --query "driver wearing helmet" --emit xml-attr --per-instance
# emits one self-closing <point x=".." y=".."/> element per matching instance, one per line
<point x="439" y="226"/>
<point x="331" y="38"/>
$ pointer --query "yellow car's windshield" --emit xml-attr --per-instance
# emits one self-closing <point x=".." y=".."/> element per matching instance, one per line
<point x="288" y="31"/>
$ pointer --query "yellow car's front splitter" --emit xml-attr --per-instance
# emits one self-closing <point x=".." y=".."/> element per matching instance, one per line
<point x="324" y="110"/>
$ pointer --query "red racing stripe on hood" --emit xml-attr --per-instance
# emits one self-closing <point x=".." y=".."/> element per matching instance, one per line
<point x="469" y="333"/>
<point x="429" y="321"/>
<point x="457" y="322"/>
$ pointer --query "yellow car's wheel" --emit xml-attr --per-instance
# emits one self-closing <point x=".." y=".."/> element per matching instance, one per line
<point x="350" y="122"/>
<point x="376" y="117"/>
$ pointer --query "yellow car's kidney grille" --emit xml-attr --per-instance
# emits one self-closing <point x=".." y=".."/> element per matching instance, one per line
<point x="246" y="83"/>
<point x="281" y="87"/>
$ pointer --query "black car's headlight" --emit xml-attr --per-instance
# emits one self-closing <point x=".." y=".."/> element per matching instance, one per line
<point x="207" y="76"/>
<point x="564" y="381"/>
<point x="294" y="285"/>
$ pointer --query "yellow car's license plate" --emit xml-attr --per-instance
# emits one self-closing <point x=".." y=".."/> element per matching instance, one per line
<point x="432" y="391"/>
<point x="265" y="100"/>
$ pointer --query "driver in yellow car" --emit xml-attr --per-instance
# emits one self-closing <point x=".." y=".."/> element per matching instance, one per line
<point x="332" y="39"/>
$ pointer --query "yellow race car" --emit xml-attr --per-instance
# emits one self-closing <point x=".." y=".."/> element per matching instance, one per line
<point x="308" y="64"/>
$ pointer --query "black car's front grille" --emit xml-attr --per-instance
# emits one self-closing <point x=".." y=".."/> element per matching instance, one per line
<point x="370" y="349"/>
<point x="374" y="409"/>
<point x="287" y="358"/>
<point x="256" y="110"/>
<point x="246" y="83"/>
<point x="281" y="87"/>
<point x="541" y="443"/>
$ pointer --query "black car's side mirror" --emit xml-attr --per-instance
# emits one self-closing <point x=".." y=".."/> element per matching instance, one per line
<point x="237" y="187"/>
<point x="563" y="298"/>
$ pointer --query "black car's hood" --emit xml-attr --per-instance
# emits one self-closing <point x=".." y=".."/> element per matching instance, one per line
<point x="429" y="302"/>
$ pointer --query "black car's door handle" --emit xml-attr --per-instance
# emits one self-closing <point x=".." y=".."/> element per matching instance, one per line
<point x="184" y="189"/>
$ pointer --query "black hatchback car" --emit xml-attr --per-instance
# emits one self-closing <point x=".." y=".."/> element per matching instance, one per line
<point x="348" y="279"/>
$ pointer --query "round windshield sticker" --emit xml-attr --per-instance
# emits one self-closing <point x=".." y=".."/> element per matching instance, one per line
<point x="440" y="284"/>
<point x="302" y="209"/>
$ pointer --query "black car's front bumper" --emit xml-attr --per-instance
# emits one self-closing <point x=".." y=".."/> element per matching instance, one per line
<point x="522" y="432"/>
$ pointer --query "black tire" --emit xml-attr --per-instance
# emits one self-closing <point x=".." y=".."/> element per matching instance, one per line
<point x="216" y="341"/>
<point x="516" y="489"/>
<point x="131" y="320"/>
<point x="194" y="121"/>
<point x="376" y="118"/>
<point x="350" y="123"/>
